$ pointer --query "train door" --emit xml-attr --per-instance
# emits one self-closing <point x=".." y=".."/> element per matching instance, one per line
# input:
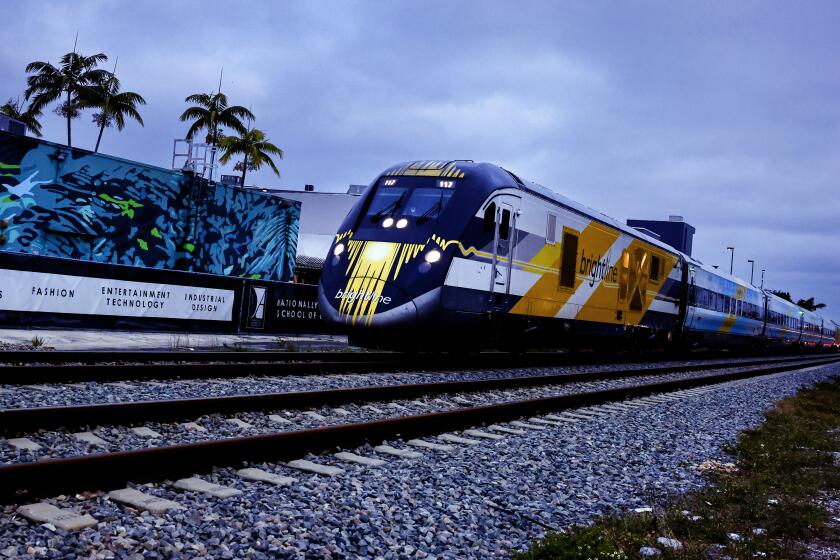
<point x="503" y="252"/>
<point x="688" y="296"/>
<point x="632" y="284"/>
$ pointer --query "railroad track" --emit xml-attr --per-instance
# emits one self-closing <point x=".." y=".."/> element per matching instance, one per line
<point x="26" y="481"/>
<point x="23" y="368"/>
<point x="13" y="420"/>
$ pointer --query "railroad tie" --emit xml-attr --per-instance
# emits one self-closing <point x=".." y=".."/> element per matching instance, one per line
<point x="241" y="424"/>
<point x="506" y="430"/>
<point x="536" y="420"/>
<point x="145" y="432"/>
<point x="24" y="444"/>
<point x="485" y="435"/>
<point x="90" y="438"/>
<point x="429" y="445"/>
<point x="452" y="438"/>
<point x="359" y="459"/>
<point x="402" y="453"/>
<point x="526" y="425"/>
<point x="565" y="419"/>
<point x="309" y="466"/>
<point x="193" y="427"/>
<point x="259" y="475"/>
<point x="139" y="500"/>
<point x="195" y="484"/>
<point x="65" y="519"/>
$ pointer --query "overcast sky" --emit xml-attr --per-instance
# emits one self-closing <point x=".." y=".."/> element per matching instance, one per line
<point x="725" y="112"/>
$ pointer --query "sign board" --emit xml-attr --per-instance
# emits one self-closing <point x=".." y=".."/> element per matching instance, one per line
<point x="256" y="307"/>
<point x="44" y="292"/>
<point x="283" y="307"/>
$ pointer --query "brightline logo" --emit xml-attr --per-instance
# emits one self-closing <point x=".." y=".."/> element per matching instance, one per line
<point x="362" y="296"/>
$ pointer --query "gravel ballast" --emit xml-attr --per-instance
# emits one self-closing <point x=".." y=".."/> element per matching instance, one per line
<point x="57" y="394"/>
<point x="478" y="501"/>
<point x="111" y="438"/>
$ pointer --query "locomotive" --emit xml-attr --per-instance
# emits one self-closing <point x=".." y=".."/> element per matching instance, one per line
<point x="460" y="255"/>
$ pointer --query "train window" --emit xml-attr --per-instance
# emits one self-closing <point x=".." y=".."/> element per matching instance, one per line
<point x="504" y="227"/>
<point x="568" y="260"/>
<point x="426" y="203"/>
<point x="489" y="224"/>
<point x="654" y="269"/>
<point x="551" y="228"/>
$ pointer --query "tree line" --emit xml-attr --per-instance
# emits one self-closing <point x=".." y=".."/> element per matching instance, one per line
<point x="79" y="83"/>
<point x="807" y="304"/>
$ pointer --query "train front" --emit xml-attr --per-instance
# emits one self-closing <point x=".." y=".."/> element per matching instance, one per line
<point x="383" y="274"/>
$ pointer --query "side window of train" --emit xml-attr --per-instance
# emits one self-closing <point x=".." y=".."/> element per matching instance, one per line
<point x="654" y="268"/>
<point x="504" y="227"/>
<point x="568" y="260"/>
<point x="489" y="218"/>
<point x="551" y="228"/>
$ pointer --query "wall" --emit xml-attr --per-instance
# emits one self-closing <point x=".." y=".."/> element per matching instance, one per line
<point x="77" y="204"/>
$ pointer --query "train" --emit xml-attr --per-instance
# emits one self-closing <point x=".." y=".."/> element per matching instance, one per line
<point x="457" y="255"/>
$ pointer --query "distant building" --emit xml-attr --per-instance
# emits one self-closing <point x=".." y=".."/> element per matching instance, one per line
<point x="321" y="215"/>
<point x="10" y="125"/>
<point x="674" y="231"/>
<point x="231" y="180"/>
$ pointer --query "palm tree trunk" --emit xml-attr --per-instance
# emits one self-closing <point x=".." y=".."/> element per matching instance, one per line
<point x="99" y="138"/>
<point x="244" y="168"/>
<point x="213" y="150"/>
<point x="69" y="143"/>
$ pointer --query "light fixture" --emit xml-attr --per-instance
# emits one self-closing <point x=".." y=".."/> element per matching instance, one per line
<point x="401" y="223"/>
<point x="433" y="256"/>
<point x="378" y="251"/>
<point x="338" y="249"/>
<point x="387" y="222"/>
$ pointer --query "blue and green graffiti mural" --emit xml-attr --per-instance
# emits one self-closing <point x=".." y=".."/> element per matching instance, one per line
<point x="76" y="204"/>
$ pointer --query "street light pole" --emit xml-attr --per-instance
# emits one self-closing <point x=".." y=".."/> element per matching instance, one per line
<point x="731" y="258"/>
<point x="752" y="270"/>
<point x="762" y="278"/>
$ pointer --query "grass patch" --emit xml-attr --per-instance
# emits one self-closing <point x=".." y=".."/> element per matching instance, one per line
<point x="764" y="506"/>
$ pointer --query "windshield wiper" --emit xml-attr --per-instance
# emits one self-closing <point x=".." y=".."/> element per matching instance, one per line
<point x="428" y="213"/>
<point x="390" y="208"/>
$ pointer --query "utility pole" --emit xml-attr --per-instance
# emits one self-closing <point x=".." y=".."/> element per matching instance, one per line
<point x="762" y="278"/>
<point x="731" y="258"/>
<point x="752" y="270"/>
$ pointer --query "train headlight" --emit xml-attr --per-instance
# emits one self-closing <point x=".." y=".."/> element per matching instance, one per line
<point x="387" y="222"/>
<point x="401" y="223"/>
<point x="338" y="249"/>
<point x="433" y="256"/>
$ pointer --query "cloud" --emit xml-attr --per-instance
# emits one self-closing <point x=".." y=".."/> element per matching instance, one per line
<point x="723" y="113"/>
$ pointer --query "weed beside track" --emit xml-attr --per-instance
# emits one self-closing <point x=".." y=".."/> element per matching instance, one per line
<point x="775" y="499"/>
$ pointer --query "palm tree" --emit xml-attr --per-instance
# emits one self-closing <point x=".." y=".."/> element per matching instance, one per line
<point x="14" y="108"/>
<point x="211" y="111"/>
<point x="114" y="106"/>
<point x="48" y="83"/>
<point x="255" y="148"/>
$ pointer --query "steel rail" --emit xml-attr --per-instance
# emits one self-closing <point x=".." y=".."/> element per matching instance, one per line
<point x="19" y="420"/>
<point x="26" y="481"/>
<point x="299" y="363"/>
<point x="179" y="356"/>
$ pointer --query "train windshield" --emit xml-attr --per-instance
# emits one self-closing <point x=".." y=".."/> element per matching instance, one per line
<point x="421" y="199"/>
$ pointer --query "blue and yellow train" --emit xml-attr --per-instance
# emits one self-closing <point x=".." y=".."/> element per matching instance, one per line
<point x="460" y="255"/>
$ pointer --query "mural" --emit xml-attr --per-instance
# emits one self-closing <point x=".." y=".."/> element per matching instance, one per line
<point x="72" y="203"/>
